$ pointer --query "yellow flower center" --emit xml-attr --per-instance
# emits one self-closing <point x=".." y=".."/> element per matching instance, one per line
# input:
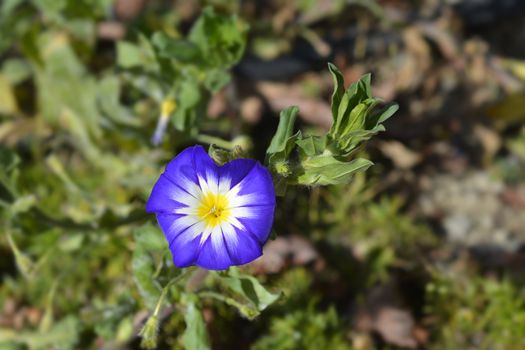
<point x="213" y="209"/>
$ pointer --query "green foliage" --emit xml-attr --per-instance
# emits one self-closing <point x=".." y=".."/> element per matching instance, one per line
<point x="64" y="334"/>
<point x="251" y="297"/>
<point x="195" y="336"/>
<point x="479" y="313"/>
<point x="354" y="113"/>
<point x="324" y="160"/>
<point x="305" y="329"/>
<point x="374" y="228"/>
<point x="76" y="167"/>
<point x="186" y="69"/>
<point x="149" y="241"/>
<point x="72" y="201"/>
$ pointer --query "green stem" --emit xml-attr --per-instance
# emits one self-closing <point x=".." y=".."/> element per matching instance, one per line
<point x="165" y="290"/>
<point x="220" y="297"/>
<point x="213" y="140"/>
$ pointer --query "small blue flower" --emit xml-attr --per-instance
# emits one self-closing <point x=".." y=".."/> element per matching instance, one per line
<point x="213" y="216"/>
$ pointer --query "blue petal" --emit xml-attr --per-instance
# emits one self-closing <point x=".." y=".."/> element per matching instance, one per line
<point x="259" y="224"/>
<point x="259" y="182"/>
<point x="213" y="253"/>
<point x="179" y="231"/>
<point x="243" y="247"/>
<point x="180" y="179"/>
<point x="163" y="197"/>
<point x="184" y="251"/>
<point x="173" y="225"/>
<point x="236" y="170"/>
<point x="189" y="164"/>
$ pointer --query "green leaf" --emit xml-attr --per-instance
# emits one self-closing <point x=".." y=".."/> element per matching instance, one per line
<point x="143" y="274"/>
<point x="254" y="298"/>
<point x="339" y="89"/>
<point x="23" y="204"/>
<point x="9" y="161"/>
<point x="109" y="316"/>
<point x="148" y="239"/>
<point x="189" y="97"/>
<point x="16" y="70"/>
<point x="381" y="115"/>
<point x="358" y="116"/>
<point x="284" y="130"/>
<point x="281" y="147"/>
<point x="108" y="98"/>
<point x="23" y="262"/>
<point x="221" y="39"/>
<point x="195" y="336"/>
<point x="216" y="79"/>
<point x="129" y="55"/>
<point x="8" y="6"/>
<point x="141" y="55"/>
<point x="8" y="103"/>
<point x="327" y="170"/>
<point x="312" y="145"/>
<point x="67" y="95"/>
<point x="51" y="8"/>
<point x="182" y="50"/>
<point x="353" y="96"/>
<point x="63" y="335"/>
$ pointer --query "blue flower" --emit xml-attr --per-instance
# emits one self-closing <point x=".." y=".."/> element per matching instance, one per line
<point x="213" y="216"/>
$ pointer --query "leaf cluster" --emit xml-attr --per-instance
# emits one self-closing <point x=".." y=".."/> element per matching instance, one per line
<point x="188" y="69"/>
<point x="329" y="159"/>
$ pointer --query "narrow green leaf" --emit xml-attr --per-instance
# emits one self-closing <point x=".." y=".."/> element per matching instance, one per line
<point x="357" y="92"/>
<point x="186" y="113"/>
<point x="284" y="130"/>
<point x="381" y="115"/>
<point x="339" y="89"/>
<point x="347" y="103"/>
<point x="358" y="116"/>
<point x="23" y="262"/>
<point x="23" y="204"/>
<point x="366" y="84"/>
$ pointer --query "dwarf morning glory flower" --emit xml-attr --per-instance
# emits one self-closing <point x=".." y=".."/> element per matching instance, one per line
<point x="213" y="216"/>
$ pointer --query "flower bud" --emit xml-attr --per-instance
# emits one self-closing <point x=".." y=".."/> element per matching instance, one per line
<point x="149" y="333"/>
<point x="283" y="168"/>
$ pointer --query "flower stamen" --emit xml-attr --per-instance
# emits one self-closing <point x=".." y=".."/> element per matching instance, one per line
<point x="214" y="209"/>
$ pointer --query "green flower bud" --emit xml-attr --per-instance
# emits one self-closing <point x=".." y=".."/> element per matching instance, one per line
<point x="149" y="333"/>
<point x="244" y="142"/>
<point x="282" y="168"/>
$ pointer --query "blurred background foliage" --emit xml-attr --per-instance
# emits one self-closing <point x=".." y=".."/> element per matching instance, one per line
<point x="424" y="250"/>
